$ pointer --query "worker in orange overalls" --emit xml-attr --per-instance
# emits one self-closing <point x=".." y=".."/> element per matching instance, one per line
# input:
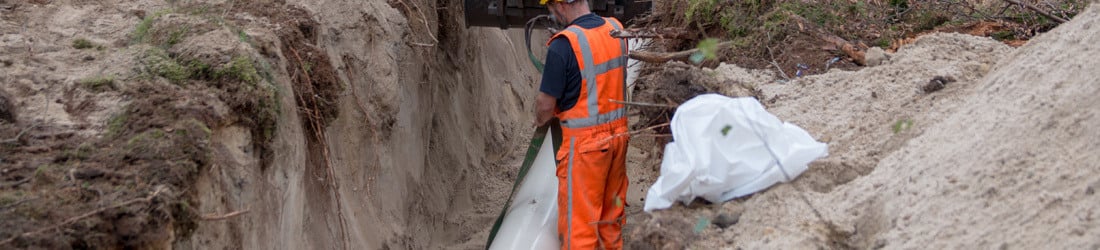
<point x="585" y="70"/>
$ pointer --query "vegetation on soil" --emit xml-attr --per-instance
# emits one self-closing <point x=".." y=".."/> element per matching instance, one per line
<point x="139" y="175"/>
<point x="81" y="43"/>
<point x="757" y="26"/>
<point x="98" y="83"/>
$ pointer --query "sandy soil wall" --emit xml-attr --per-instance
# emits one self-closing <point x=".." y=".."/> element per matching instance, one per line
<point x="421" y="148"/>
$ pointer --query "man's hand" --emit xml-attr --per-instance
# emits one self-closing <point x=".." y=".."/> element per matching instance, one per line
<point x="544" y="108"/>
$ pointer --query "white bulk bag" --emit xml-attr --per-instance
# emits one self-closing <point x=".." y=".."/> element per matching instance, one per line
<point x="724" y="148"/>
<point x="532" y="219"/>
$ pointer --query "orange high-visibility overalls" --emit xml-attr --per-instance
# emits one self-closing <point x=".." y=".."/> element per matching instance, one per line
<point x="591" y="168"/>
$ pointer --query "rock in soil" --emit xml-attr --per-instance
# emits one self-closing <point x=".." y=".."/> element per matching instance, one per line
<point x="937" y="83"/>
<point x="7" y="112"/>
<point x="87" y="173"/>
<point x="724" y="220"/>
<point x="875" y="56"/>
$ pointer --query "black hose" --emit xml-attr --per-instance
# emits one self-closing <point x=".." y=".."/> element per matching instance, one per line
<point x="527" y="37"/>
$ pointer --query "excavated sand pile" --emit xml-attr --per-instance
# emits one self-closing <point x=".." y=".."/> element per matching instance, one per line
<point x="1005" y="156"/>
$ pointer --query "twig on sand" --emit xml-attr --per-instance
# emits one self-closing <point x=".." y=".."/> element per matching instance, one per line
<point x="20" y="135"/>
<point x="224" y="216"/>
<point x="636" y="132"/>
<point x="72" y="220"/>
<point x="643" y="104"/>
<point x="1037" y="10"/>
<point x="663" y="57"/>
<point x="855" y="51"/>
<point x="15" y="204"/>
<point x="667" y="33"/>
<point x="319" y="133"/>
<point x="781" y="73"/>
<point x="423" y="18"/>
<point x="16" y="183"/>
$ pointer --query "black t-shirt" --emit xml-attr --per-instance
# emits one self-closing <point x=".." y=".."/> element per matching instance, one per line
<point x="561" y="76"/>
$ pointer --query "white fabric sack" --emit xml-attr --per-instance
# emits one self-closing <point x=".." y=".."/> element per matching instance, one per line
<point x="724" y="148"/>
<point x="532" y="220"/>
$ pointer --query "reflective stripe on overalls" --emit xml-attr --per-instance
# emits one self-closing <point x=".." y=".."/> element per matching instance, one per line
<point x="591" y="163"/>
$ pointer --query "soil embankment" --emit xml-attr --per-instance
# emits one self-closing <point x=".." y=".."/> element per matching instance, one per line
<point x="320" y="124"/>
<point x="1001" y="157"/>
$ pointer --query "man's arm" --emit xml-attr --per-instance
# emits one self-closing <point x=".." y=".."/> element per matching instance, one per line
<point x="544" y="108"/>
<point x="554" y="80"/>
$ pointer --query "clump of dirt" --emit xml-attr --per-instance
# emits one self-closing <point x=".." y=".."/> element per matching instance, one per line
<point x="157" y="143"/>
<point x="315" y="80"/>
<point x="661" y="232"/>
<point x="673" y="85"/>
<point x="7" y="111"/>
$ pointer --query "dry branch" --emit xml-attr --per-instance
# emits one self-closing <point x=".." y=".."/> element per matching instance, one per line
<point x="643" y="104"/>
<point x="781" y="73"/>
<point x="72" y="220"/>
<point x="663" y="57"/>
<point x="636" y="132"/>
<point x="664" y="33"/>
<point x="16" y="183"/>
<point x="224" y="216"/>
<point x="319" y="133"/>
<point x="423" y="18"/>
<point x="1037" y="10"/>
<point x="852" y="50"/>
<point x="20" y="135"/>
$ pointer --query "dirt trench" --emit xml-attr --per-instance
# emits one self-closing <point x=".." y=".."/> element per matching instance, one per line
<point x="416" y="154"/>
<point x="260" y="124"/>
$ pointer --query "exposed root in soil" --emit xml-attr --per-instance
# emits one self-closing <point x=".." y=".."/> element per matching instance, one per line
<point x="74" y="219"/>
<point x="316" y="89"/>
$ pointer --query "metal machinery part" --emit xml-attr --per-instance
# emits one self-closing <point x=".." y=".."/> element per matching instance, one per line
<point x="515" y="13"/>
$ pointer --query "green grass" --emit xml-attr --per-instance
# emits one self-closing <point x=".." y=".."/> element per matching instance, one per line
<point x="159" y="63"/>
<point x="81" y="43"/>
<point x="8" y="199"/>
<point x="142" y="29"/>
<point x="177" y="35"/>
<point x="882" y="42"/>
<point x="98" y="83"/>
<point x="141" y="32"/>
<point x="817" y="14"/>
<point x="146" y="139"/>
<point x="902" y="125"/>
<point x="117" y="124"/>
<point x="858" y="9"/>
<point x="241" y="68"/>
<point x="242" y="36"/>
<point x="929" y="20"/>
<point x="81" y="152"/>
<point x="1004" y="35"/>
<point x="41" y="175"/>
<point x="701" y="10"/>
<point x="899" y="5"/>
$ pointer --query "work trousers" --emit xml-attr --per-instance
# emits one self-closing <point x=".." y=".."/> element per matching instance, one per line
<point x="592" y="186"/>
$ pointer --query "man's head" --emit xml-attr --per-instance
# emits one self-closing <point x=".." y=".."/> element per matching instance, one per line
<point x="564" y="11"/>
